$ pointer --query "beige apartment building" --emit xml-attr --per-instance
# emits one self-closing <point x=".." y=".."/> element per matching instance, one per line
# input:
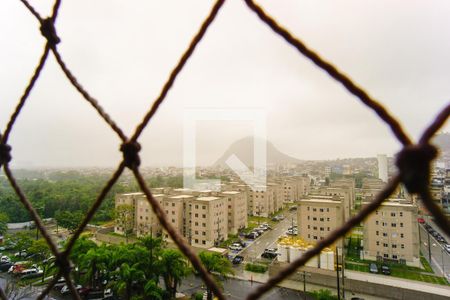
<point x="147" y="222"/>
<point x="318" y="216"/>
<point x="237" y="210"/>
<point x="208" y="221"/>
<point x="347" y="184"/>
<point x="341" y="193"/>
<point x="391" y="233"/>
<point x="127" y="199"/>
<point x="294" y="188"/>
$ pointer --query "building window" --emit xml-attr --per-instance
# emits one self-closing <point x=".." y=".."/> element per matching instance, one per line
<point x="173" y="220"/>
<point x="203" y="242"/>
<point x="328" y="219"/>
<point x="328" y="228"/>
<point x="394" y="246"/>
<point x="203" y="232"/>
<point x="173" y="204"/>
<point x="203" y="206"/>
<point x="401" y="224"/>
<point x="401" y="214"/>
<point x="392" y="214"/>
<point x="196" y="232"/>
<point x="196" y="215"/>
<point x="308" y="217"/>
<point x="196" y="241"/>
<point x="328" y="210"/>
<point x="402" y="246"/>
<point x="322" y="219"/>
<point x="376" y="222"/>
<point x="315" y="228"/>
<point x="385" y="255"/>
<point x="204" y="224"/>
<point x="385" y="245"/>
<point x="204" y="216"/>
<point x="309" y="236"/>
<point x="385" y="234"/>
<point x="322" y="229"/>
<point x="315" y="237"/>
<point x="377" y="232"/>
<point x="196" y="206"/>
<point x="309" y="227"/>
<point x="378" y="243"/>
<point x="394" y="256"/>
<point x="314" y="209"/>
<point x="314" y="219"/>
<point x="393" y="224"/>
<point x="402" y="235"/>
<point x="321" y="210"/>
<point x="196" y="223"/>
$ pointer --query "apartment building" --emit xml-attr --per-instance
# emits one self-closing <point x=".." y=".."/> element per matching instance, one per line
<point x="318" y="216"/>
<point x="391" y="233"/>
<point x="341" y="193"/>
<point x="177" y="212"/>
<point x="237" y="210"/>
<point x="347" y="184"/>
<point x="130" y="200"/>
<point x="208" y="223"/>
<point x="147" y="222"/>
<point x="294" y="187"/>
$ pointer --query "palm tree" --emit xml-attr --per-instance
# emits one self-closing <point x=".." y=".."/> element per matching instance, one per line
<point x="95" y="261"/>
<point x="127" y="277"/>
<point x="153" y="291"/>
<point x="217" y="265"/>
<point x="151" y="261"/>
<point x="174" y="267"/>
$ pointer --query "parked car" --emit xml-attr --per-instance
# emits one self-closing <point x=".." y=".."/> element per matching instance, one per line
<point x="385" y="270"/>
<point x="22" y="253"/>
<point x="292" y="232"/>
<point x="252" y="236"/>
<point x="270" y="253"/>
<point x="31" y="273"/>
<point x="2" y="248"/>
<point x="4" y="259"/>
<point x="373" y="268"/>
<point x="237" y="259"/>
<point x="441" y="239"/>
<point x="65" y="289"/>
<point x="235" y="247"/>
<point x="5" y="266"/>
<point x="447" y="247"/>
<point x="292" y="208"/>
<point x="421" y="220"/>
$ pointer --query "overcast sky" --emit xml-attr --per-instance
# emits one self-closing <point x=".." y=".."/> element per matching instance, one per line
<point x="123" y="51"/>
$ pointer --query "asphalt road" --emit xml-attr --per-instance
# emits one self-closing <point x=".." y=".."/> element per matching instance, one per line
<point x="239" y="289"/>
<point x="440" y="259"/>
<point x="269" y="238"/>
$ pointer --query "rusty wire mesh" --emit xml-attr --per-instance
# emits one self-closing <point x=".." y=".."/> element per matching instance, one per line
<point x="413" y="161"/>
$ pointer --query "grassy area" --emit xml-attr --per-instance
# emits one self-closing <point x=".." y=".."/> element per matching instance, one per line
<point x="257" y="268"/>
<point x="232" y="238"/>
<point x="401" y="272"/>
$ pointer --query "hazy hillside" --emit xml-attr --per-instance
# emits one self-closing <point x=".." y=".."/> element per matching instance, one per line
<point x="243" y="149"/>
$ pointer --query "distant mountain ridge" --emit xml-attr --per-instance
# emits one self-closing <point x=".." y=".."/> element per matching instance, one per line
<point x="243" y="149"/>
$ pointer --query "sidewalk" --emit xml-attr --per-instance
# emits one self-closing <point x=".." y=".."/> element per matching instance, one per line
<point x="298" y="285"/>
<point x="399" y="282"/>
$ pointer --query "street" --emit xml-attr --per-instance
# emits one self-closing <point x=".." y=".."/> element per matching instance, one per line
<point x="440" y="259"/>
<point x="239" y="289"/>
<point x="269" y="238"/>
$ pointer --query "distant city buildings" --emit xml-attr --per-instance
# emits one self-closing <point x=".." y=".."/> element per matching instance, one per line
<point x="382" y="167"/>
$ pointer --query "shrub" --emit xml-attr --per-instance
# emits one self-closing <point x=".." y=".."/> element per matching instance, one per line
<point x="257" y="268"/>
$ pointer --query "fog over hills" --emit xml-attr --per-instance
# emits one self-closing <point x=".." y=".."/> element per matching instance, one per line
<point x="243" y="149"/>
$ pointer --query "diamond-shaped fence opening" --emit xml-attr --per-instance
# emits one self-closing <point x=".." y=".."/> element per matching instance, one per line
<point x="413" y="161"/>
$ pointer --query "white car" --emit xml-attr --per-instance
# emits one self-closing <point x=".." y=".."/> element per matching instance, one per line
<point x="5" y="259"/>
<point x="65" y="289"/>
<point x="235" y="247"/>
<point x="447" y="247"/>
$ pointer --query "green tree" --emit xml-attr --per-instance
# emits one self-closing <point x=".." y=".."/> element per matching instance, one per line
<point x="39" y="249"/>
<point x="95" y="263"/>
<point x="154" y="247"/>
<point x="174" y="267"/>
<point x="69" y="220"/>
<point x="153" y="291"/>
<point x="22" y="240"/>
<point x="217" y="265"/>
<point x="124" y="215"/>
<point x="129" y="278"/>
<point x="4" y="219"/>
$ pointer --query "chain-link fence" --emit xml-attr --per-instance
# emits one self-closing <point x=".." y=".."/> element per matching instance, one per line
<point x="413" y="161"/>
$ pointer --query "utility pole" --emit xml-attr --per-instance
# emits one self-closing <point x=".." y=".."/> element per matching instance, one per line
<point x="429" y="248"/>
<point x="337" y="275"/>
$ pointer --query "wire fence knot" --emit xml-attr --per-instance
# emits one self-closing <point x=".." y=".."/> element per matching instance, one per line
<point x="414" y="165"/>
<point x="5" y="153"/>
<point x="130" y="154"/>
<point x="49" y="32"/>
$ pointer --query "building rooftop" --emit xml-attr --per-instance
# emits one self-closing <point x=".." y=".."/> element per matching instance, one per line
<point x="210" y="198"/>
<point x="231" y="192"/>
<point x="321" y="200"/>
<point x="133" y="194"/>
<point x="180" y="197"/>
